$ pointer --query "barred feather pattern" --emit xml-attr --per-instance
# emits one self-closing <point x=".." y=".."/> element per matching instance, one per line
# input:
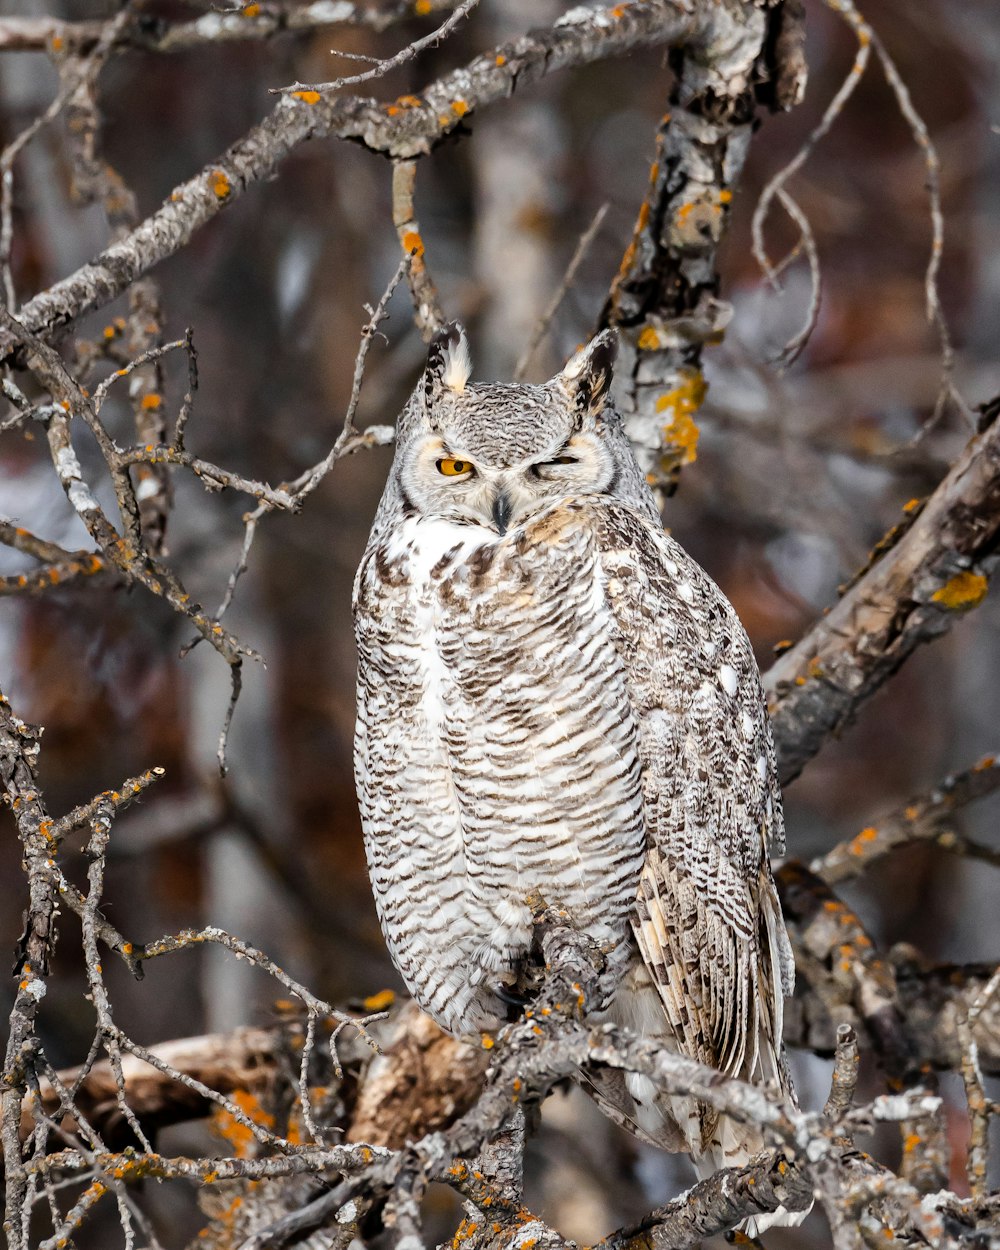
<point x="567" y="707"/>
<point x="509" y="778"/>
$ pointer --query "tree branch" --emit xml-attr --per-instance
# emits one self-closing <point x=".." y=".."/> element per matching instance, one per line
<point x="937" y="571"/>
<point x="252" y="21"/>
<point x="410" y="128"/>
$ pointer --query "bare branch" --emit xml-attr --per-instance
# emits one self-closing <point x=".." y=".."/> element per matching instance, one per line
<point x="251" y="22"/>
<point x="937" y="571"/>
<point x="928" y="817"/>
<point x="426" y="304"/>
<point x="402" y="131"/>
<point x="381" y="68"/>
<point x="542" y="327"/>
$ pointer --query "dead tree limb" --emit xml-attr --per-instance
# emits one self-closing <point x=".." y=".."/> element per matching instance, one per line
<point x="938" y="570"/>
<point x="925" y="818"/>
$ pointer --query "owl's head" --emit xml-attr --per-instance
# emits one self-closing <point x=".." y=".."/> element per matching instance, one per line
<point x="493" y="455"/>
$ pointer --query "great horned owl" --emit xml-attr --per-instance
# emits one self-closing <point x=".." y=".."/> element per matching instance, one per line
<point x="554" y="698"/>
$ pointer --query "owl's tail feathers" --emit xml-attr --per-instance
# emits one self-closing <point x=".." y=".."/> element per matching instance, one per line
<point x="734" y="1145"/>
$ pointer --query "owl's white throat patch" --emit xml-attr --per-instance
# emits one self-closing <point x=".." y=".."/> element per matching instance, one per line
<point x="424" y="542"/>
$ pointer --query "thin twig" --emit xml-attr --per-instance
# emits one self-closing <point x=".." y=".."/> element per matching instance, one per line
<point x="383" y="67"/>
<point x="542" y="326"/>
<point x="807" y="240"/>
<point x="935" y="313"/>
<point x="349" y="440"/>
<point x="154" y="353"/>
<point x="832" y="111"/>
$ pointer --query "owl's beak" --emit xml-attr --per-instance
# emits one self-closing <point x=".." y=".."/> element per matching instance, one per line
<point x="502" y="509"/>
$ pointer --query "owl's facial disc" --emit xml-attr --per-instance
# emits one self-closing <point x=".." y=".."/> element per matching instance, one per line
<point x="443" y="479"/>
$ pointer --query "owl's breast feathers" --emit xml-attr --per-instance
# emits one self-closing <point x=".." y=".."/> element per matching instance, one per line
<point x="573" y="708"/>
<point x="497" y="752"/>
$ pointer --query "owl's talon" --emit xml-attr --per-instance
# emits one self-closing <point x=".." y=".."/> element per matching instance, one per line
<point x="510" y="997"/>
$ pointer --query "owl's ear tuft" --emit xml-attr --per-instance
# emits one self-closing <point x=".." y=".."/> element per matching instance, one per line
<point x="448" y="361"/>
<point x="587" y="376"/>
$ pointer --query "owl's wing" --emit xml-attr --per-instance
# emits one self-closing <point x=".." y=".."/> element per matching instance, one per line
<point x="707" y="921"/>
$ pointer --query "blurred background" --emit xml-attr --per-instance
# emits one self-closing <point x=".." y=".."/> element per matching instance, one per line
<point x="797" y="475"/>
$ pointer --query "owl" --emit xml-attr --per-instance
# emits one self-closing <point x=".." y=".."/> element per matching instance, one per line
<point x="554" y="699"/>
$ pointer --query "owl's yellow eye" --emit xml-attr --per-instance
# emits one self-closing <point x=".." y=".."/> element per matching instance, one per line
<point x="454" y="468"/>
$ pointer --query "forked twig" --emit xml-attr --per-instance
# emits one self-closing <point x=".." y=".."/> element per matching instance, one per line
<point x="383" y="67"/>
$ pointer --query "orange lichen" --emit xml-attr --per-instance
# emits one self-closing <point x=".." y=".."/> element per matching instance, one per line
<point x="459" y="108"/>
<point x="239" y="1135"/>
<point x="57" y="43"/>
<point x="488" y="1042"/>
<point x="380" y="1001"/>
<point x="681" y="432"/>
<point x="221" y="185"/>
<point x="963" y="591"/>
<point x="413" y="244"/>
<point x="250" y="10"/>
<point x="422" y="7"/>
<point x="630" y="251"/>
<point x="725" y="196"/>
<point x="912" y="505"/>
<point x="501" y="59"/>
<point x="648" y="340"/>
<point x="307" y="97"/>
<point x="464" y="1231"/>
<point x="911" y="1143"/>
<point x="151" y="402"/>
<point x="986" y="762"/>
<point x="857" y="845"/>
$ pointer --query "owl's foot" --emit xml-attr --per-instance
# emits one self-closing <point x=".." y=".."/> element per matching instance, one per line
<point x="507" y="994"/>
